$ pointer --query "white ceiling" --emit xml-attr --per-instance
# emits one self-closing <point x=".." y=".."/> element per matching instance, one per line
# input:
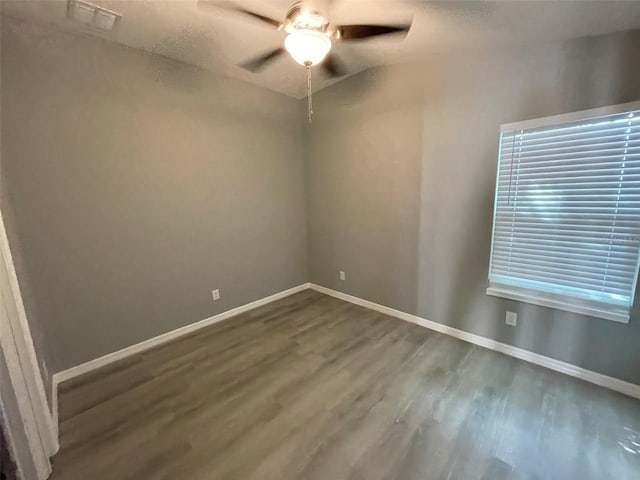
<point x="218" y="39"/>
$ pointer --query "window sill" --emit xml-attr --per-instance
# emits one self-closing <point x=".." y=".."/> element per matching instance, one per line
<point x="584" y="309"/>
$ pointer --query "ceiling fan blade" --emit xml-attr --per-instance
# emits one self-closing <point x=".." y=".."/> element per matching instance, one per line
<point x="256" y="64"/>
<point x="235" y="8"/>
<point x="360" y="32"/>
<point x="333" y="67"/>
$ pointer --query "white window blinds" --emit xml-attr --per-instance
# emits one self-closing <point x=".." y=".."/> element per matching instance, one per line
<point x="567" y="212"/>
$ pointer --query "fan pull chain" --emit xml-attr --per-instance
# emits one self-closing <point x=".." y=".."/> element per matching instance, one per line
<point x="309" y="91"/>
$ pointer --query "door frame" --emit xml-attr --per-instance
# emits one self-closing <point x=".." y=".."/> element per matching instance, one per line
<point x="21" y="361"/>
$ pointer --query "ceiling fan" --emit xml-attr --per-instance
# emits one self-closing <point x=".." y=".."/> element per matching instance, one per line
<point x="310" y="36"/>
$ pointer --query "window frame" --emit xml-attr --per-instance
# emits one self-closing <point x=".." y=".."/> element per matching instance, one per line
<point x="537" y="297"/>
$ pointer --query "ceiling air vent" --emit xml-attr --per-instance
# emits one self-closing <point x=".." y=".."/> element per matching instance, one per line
<point x="92" y="15"/>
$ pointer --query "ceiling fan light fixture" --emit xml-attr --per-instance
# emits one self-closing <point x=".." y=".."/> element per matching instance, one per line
<point x="307" y="47"/>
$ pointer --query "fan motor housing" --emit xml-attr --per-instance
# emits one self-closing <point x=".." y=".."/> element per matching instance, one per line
<point x="300" y="17"/>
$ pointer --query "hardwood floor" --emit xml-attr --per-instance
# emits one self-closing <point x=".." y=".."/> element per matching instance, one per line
<point x="311" y="387"/>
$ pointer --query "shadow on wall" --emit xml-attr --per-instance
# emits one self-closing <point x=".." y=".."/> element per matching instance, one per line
<point x="460" y="151"/>
<point x="363" y="181"/>
<point x="122" y="200"/>
<point x="37" y="324"/>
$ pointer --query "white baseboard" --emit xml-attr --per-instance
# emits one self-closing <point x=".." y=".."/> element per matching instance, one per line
<point x="553" y="364"/>
<point x="86" y="367"/>
<point x="597" y="378"/>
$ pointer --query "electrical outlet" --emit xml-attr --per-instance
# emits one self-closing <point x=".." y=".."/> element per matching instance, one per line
<point x="343" y="276"/>
<point x="511" y="319"/>
<point x="215" y="294"/>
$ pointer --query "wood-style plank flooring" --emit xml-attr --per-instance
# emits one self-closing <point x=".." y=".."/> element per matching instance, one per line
<point x="311" y="387"/>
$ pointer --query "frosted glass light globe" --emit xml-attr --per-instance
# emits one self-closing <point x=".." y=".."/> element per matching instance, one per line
<point x="307" y="47"/>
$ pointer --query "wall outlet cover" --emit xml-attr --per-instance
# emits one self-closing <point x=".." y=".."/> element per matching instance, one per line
<point x="215" y="294"/>
<point x="343" y="276"/>
<point x="511" y="319"/>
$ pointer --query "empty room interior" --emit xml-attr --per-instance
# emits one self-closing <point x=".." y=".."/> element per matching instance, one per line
<point x="328" y="239"/>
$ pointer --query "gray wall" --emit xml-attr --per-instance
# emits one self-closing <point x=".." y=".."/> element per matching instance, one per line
<point x="132" y="185"/>
<point x="42" y="344"/>
<point x="137" y="185"/>
<point x="401" y="168"/>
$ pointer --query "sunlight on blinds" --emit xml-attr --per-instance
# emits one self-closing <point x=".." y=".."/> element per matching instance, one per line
<point x="567" y="214"/>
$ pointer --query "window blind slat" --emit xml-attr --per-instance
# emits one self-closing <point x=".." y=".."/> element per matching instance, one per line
<point x="568" y="183"/>
<point x="592" y="270"/>
<point x="519" y="247"/>
<point x="561" y="167"/>
<point x="601" y="217"/>
<point x="622" y="133"/>
<point x="533" y="255"/>
<point x="567" y="223"/>
<point x="581" y="197"/>
<point x="580" y="128"/>
<point x="567" y="209"/>
<point x="626" y="133"/>
<point x="567" y="280"/>
<point x="619" y="271"/>
<point x="629" y="233"/>
<point x="583" y="130"/>
<point x="573" y="153"/>
<point x="632" y="173"/>
<point x="559" y="235"/>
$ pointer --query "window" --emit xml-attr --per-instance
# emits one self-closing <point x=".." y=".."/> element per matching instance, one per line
<point x="566" y="228"/>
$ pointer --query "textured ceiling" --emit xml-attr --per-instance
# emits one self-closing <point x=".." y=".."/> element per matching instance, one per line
<point x="217" y="39"/>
